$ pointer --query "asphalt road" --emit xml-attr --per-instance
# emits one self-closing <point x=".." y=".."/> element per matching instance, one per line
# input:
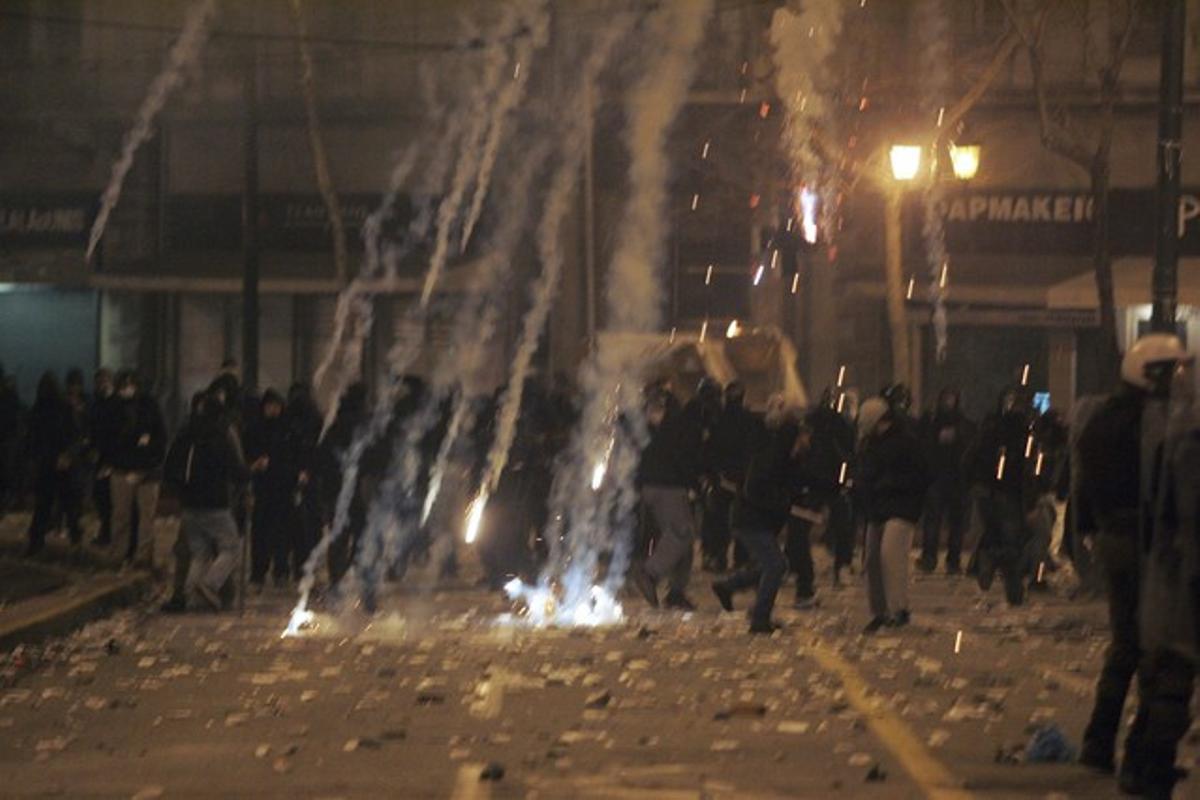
<point x="420" y="702"/>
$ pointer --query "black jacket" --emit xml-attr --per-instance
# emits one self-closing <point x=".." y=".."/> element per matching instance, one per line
<point x="735" y="429"/>
<point x="893" y="476"/>
<point x="769" y="486"/>
<point x="205" y="464"/>
<point x="1110" y="455"/>
<point x="672" y="458"/>
<point x="947" y="436"/>
<point x="832" y="446"/>
<point x="52" y="433"/>
<point x="1006" y="433"/>
<point x="139" y="435"/>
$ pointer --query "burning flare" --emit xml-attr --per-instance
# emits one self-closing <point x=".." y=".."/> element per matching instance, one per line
<point x="475" y="516"/>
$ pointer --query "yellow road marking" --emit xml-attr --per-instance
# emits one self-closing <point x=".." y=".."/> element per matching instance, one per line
<point x="930" y="774"/>
<point x="467" y="785"/>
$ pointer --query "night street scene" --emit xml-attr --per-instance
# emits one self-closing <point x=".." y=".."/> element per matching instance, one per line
<point x="631" y="399"/>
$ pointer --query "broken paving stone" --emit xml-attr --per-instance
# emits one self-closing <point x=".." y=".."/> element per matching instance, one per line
<point x="231" y="720"/>
<point x="262" y="751"/>
<point x="282" y="765"/>
<point x="793" y="726"/>
<point x="725" y="746"/>
<point x="741" y="709"/>
<point x="598" y="700"/>
<point x="308" y="695"/>
<point x="939" y="738"/>
<point x="859" y="759"/>
<point x="492" y="772"/>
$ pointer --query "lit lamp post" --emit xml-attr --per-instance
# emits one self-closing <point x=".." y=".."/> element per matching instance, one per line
<point x="906" y="162"/>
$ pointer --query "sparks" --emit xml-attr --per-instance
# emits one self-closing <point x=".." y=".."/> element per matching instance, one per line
<point x="545" y="605"/>
<point x="1029" y="445"/>
<point x="1037" y="469"/>
<point x="795" y="283"/>
<point x="958" y="642"/>
<point x="703" y="330"/>
<point x="1041" y="570"/>
<point x="708" y="275"/>
<point x="671" y="338"/>
<point x="941" y="116"/>
<point x="695" y="201"/>
<point x="841" y="378"/>
<point x="301" y="619"/>
<point x="808" y="211"/>
<point x="1025" y="376"/>
<point x="912" y="284"/>
<point x="944" y="276"/>
<point x="704" y="150"/>
<point x="734" y="330"/>
<point x="845" y="464"/>
<point x="758" y="275"/>
<point x="475" y="517"/>
<point x="517" y="71"/>
<point x="841" y="403"/>
<point x="1000" y="464"/>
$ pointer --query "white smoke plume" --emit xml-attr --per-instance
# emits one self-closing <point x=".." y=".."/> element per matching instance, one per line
<point x="459" y="372"/>
<point x="467" y="168"/>
<point x="633" y="299"/>
<point x="558" y="205"/>
<point x="802" y="42"/>
<point x="183" y="54"/>
<point x="531" y="16"/>
<point x="934" y="23"/>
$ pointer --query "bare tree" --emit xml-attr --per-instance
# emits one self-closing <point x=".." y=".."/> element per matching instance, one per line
<point x="1090" y="149"/>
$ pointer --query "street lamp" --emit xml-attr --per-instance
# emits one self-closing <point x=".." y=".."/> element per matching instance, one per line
<point x="906" y="161"/>
<point x="964" y="159"/>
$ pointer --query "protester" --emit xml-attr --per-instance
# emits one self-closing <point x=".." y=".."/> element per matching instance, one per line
<point x="811" y="489"/>
<point x="669" y="469"/>
<point x="302" y="430"/>
<point x="893" y="477"/>
<point x="275" y="479"/>
<point x="10" y="431"/>
<point x="135" y="458"/>
<point x="735" y="426"/>
<point x="204" y="465"/>
<point x="831" y="461"/>
<point x="1110" y="462"/>
<point x="946" y="433"/>
<point x="760" y="511"/>
<point x="53" y="446"/>
<point x="333" y="447"/>
<point x="101" y="428"/>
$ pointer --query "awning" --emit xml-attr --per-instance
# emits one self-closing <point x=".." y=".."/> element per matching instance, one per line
<point x="1131" y="285"/>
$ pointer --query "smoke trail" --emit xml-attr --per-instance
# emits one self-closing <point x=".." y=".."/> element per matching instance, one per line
<point x="180" y="58"/>
<point x="461" y="368"/>
<point x="934" y="24"/>
<point x="495" y="59"/>
<point x="802" y="43"/>
<point x="531" y="14"/>
<point x="633" y="298"/>
<point x="558" y="205"/>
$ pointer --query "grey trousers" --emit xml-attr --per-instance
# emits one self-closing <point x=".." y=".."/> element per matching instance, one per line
<point x="212" y="538"/>
<point x="888" y="555"/>
<point x="672" y="556"/>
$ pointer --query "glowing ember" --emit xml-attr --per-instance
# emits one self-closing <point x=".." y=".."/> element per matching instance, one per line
<point x="1000" y="464"/>
<point x="758" y="275"/>
<point x="734" y="330"/>
<point x="475" y="517"/>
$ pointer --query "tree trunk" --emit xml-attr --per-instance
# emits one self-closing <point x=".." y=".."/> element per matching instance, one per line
<point x="1109" y="355"/>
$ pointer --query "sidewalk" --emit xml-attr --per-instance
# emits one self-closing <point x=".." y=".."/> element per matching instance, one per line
<point x="60" y="589"/>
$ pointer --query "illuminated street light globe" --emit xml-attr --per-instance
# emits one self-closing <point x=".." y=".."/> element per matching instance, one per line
<point x="965" y="160"/>
<point x="906" y="161"/>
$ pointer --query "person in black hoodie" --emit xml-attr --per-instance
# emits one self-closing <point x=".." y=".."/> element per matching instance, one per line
<point x="274" y="485"/>
<point x="302" y="430"/>
<point x="759" y="512"/>
<point x="1001" y="466"/>
<point x="734" y="427"/>
<point x="53" y="445"/>
<point x="205" y="465"/>
<point x="831" y="462"/>
<point x="946" y="433"/>
<point x="135" y="458"/>
<point x="334" y="445"/>
<point x="669" y="469"/>
<point x="892" y="479"/>
<point x="101" y="431"/>
<point x="812" y="483"/>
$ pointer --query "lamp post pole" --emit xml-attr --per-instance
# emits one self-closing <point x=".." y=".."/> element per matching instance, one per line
<point x="894" y="274"/>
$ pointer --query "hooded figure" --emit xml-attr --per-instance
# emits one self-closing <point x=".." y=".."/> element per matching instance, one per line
<point x="275" y="476"/>
<point x="54" y="444"/>
<point x="892" y="479"/>
<point x="945" y="433"/>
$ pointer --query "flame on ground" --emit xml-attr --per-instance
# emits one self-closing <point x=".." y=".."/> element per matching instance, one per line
<point x="543" y="606"/>
<point x="301" y="620"/>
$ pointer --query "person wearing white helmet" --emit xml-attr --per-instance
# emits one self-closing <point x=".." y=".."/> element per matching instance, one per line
<point x="1110" y="466"/>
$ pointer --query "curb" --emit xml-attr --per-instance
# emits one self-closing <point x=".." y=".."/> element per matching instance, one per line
<point x="66" y="609"/>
